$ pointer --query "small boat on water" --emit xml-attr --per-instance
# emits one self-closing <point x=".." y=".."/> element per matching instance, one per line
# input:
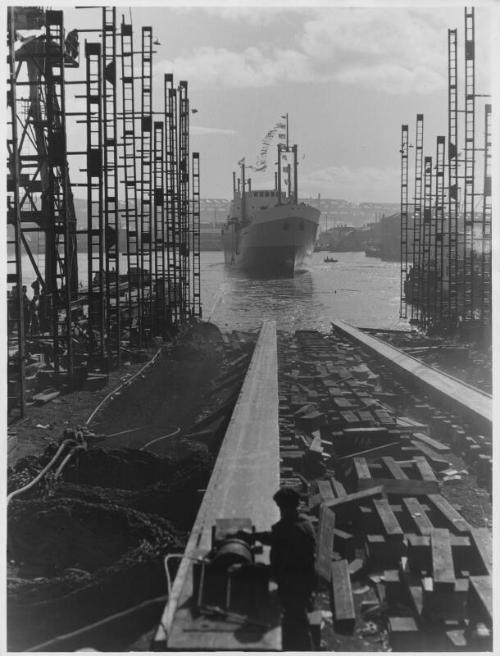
<point x="329" y="259"/>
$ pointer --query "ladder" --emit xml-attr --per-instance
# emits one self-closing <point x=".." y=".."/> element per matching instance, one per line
<point x="110" y="171"/>
<point x="469" y="164"/>
<point x="404" y="221"/>
<point x="95" y="218"/>
<point x="196" y="269"/>
<point x="134" y="277"/>
<point x="452" y="176"/>
<point x="146" y="237"/>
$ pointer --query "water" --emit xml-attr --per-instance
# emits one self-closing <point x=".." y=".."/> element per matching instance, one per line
<point x="361" y="290"/>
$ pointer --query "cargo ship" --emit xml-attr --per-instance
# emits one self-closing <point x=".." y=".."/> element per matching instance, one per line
<point x="268" y="232"/>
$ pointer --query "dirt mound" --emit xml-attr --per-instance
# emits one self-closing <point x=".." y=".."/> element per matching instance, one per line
<point x="58" y="533"/>
<point x="84" y="560"/>
<point x="175" y="498"/>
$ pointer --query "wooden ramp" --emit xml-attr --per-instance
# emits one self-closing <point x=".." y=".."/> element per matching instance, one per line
<point x="244" y="479"/>
<point x="468" y="401"/>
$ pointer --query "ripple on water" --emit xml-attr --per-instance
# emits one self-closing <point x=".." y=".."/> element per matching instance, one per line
<point x="365" y="294"/>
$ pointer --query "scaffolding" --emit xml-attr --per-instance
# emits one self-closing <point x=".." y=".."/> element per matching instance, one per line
<point x="183" y="196"/>
<point x="448" y="267"/>
<point x="159" y="230"/>
<point x="416" y="279"/>
<point x="426" y="237"/>
<point x="486" y="305"/>
<point x="469" y="165"/>
<point x="172" y="199"/>
<point x="95" y="222"/>
<point x="403" y="309"/>
<point x="110" y="173"/>
<point x="15" y="308"/>
<point x="129" y="167"/>
<point x="83" y="328"/>
<point x="453" y="199"/>
<point x="145" y="184"/>
<point x="195" y="239"/>
<point x="439" y="272"/>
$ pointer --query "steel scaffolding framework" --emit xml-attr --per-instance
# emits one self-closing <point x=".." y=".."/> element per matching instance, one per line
<point x="146" y="237"/>
<point x="453" y="189"/>
<point x="111" y="184"/>
<point x="469" y="166"/>
<point x="95" y="216"/>
<point x="195" y="244"/>
<point x="183" y="195"/>
<point x="172" y="201"/>
<point x="129" y="167"/>
<point x="416" y="281"/>
<point x="426" y="242"/>
<point x="438" y="233"/>
<point x="486" y="262"/>
<point x="15" y="309"/>
<point x="159" y="314"/>
<point x="403" y="308"/>
<point x="450" y="276"/>
<point x="161" y="210"/>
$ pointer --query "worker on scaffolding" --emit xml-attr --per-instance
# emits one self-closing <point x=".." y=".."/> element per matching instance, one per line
<point x="293" y="549"/>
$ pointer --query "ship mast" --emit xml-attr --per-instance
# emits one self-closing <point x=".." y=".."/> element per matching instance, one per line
<point x="243" y="195"/>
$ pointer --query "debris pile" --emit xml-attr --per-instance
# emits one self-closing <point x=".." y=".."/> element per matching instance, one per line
<point x="403" y="568"/>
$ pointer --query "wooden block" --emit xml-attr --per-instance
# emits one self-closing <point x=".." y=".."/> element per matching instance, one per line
<point x="481" y="542"/>
<point x="403" y="633"/>
<point x="438" y="463"/>
<point x="342" y="600"/>
<point x="366" y="417"/>
<point x="392" y="583"/>
<point x="325" y="542"/>
<point x="424" y="469"/>
<point x="419" y="553"/>
<point x="374" y="434"/>
<point x="343" y="543"/>
<point x="457" y="639"/>
<point x="356" y="567"/>
<point x="420" y="519"/>
<point x="392" y="529"/>
<point x="445" y="604"/>
<point x="394" y="469"/>
<point x="338" y="488"/>
<point x="443" y="571"/>
<point x="347" y="503"/>
<point x="480" y="602"/>
<point x="381" y="552"/>
<point x="325" y="491"/>
<point x="403" y="487"/>
<point x="453" y="519"/>
<point x="362" y="471"/>
<point x="349" y="418"/>
<point x="434" y="444"/>
<point x="342" y="403"/>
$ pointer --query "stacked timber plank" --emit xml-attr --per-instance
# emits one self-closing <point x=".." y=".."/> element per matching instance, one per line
<point x="368" y="455"/>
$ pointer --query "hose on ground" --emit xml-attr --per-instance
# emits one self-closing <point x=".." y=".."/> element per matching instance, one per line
<point x="44" y="471"/>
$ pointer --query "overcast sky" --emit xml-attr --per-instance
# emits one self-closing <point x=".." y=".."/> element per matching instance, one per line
<point x="348" y="78"/>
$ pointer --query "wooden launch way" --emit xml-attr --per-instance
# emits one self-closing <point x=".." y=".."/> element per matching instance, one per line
<point x="245" y="477"/>
<point x="467" y="401"/>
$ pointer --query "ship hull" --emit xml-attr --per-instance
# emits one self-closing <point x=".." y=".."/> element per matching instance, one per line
<point x="278" y="241"/>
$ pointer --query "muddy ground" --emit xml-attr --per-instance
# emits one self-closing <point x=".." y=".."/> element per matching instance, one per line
<point x="93" y="542"/>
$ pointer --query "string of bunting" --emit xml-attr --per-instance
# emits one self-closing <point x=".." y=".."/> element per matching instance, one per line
<point x="278" y="129"/>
